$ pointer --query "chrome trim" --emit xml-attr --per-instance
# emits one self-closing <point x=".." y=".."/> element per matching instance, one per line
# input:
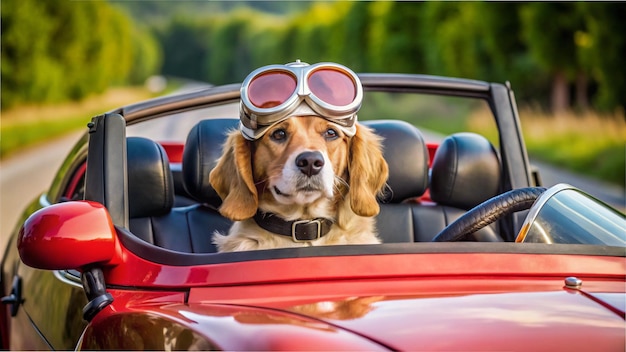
<point x="68" y="278"/>
<point x="43" y="200"/>
<point x="573" y="282"/>
<point x="302" y="92"/>
<point x="538" y="205"/>
<point x="255" y="121"/>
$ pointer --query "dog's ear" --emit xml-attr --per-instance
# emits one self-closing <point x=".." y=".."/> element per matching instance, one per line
<point x="368" y="171"/>
<point x="233" y="181"/>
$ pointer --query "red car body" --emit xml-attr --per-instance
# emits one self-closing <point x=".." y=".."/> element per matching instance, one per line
<point x="446" y="308"/>
<point x="397" y="296"/>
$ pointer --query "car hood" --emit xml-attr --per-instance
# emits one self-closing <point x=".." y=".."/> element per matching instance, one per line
<point x="461" y="321"/>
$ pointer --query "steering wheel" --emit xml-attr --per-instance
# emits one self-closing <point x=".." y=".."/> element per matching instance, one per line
<point x="489" y="211"/>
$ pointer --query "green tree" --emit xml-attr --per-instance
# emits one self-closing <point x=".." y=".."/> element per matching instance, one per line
<point x="54" y="51"/>
<point x="26" y="35"/>
<point x="349" y="39"/>
<point x="549" y="29"/>
<point x="542" y="48"/>
<point x="602" y="48"/>
<point x="109" y="48"/>
<point x="265" y="36"/>
<point x="395" y="40"/>
<point x="185" y="45"/>
<point x="230" y="58"/>
<point x="452" y="40"/>
<point x="312" y="35"/>
<point x="500" y="27"/>
<point x="147" y="56"/>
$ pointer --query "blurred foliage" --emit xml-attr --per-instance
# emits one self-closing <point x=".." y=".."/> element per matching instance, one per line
<point x="561" y="55"/>
<point x="603" y="45"/>
<point x="158" y="11"/>
<point x="55" y="51"/>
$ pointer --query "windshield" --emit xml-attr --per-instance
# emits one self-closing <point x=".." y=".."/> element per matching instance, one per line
<point x="566" y="215"/>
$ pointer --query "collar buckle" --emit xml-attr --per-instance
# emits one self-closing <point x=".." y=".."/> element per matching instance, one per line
<point x="294" y="231"/>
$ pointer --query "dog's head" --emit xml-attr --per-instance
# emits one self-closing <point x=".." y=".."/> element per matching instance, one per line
<point x="302" y="165"/>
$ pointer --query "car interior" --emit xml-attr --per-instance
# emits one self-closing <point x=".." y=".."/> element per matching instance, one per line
<point x="176" y="208"/>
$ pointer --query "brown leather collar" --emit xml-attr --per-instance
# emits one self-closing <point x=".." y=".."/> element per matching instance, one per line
<point x="298" y="230"/>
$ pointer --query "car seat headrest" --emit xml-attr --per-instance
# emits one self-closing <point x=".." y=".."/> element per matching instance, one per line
<point x="150" y="180"/>
<point x="465" y="171"/>
<point x="202" y="150"/>
<point x="406" y="154"/>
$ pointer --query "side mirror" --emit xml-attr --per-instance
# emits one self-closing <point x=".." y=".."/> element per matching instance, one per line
<point x="72" y="235"/>
<point x="68" y="235"/>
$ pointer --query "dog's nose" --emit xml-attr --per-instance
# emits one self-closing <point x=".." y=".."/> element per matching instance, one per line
<point x="310" y="163"/>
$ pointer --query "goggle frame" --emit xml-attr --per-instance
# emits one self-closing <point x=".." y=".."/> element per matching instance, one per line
<point x="254" y="117"/>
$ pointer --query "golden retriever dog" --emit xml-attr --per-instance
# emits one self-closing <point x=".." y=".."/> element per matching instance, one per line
<point x="303" y="168"/>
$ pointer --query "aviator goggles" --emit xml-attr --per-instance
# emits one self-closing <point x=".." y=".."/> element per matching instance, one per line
<point x="273" y="93"/>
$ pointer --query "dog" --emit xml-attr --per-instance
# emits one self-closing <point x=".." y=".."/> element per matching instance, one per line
<point x="303" y="171"/>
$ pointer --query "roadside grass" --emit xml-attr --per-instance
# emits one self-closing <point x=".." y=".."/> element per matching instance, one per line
<point x="24" y="126"/>
<point x="588" y="143"/>
<point x="445" y="115"/>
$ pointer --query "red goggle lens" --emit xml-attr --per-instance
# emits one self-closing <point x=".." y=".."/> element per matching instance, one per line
<point x="271" y="89"/>
<point x="332" y="86"/>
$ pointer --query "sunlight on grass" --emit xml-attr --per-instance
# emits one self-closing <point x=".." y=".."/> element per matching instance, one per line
<point x="589" y="143"/>
<point x="26" y="125"/>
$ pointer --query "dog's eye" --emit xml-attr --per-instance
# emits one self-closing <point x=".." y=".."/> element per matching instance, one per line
<point x="331" y="134"/>
<point x="279" y="135"/>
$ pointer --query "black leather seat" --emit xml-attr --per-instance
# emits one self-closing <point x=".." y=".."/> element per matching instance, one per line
<point x="401" y="218"/>
<point x="407" y="156"/>
<point x="152" y="216"/>
<point x="202" y="149"/>
<point x="466" y="171"/>
<point x="150" y="184"/>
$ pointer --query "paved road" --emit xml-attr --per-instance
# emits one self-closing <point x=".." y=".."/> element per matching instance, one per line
<point x="608" y="193"/>
<point x="26" y="175"/>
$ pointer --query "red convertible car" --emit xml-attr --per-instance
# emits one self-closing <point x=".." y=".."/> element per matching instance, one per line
<point x="476" y="255"/>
